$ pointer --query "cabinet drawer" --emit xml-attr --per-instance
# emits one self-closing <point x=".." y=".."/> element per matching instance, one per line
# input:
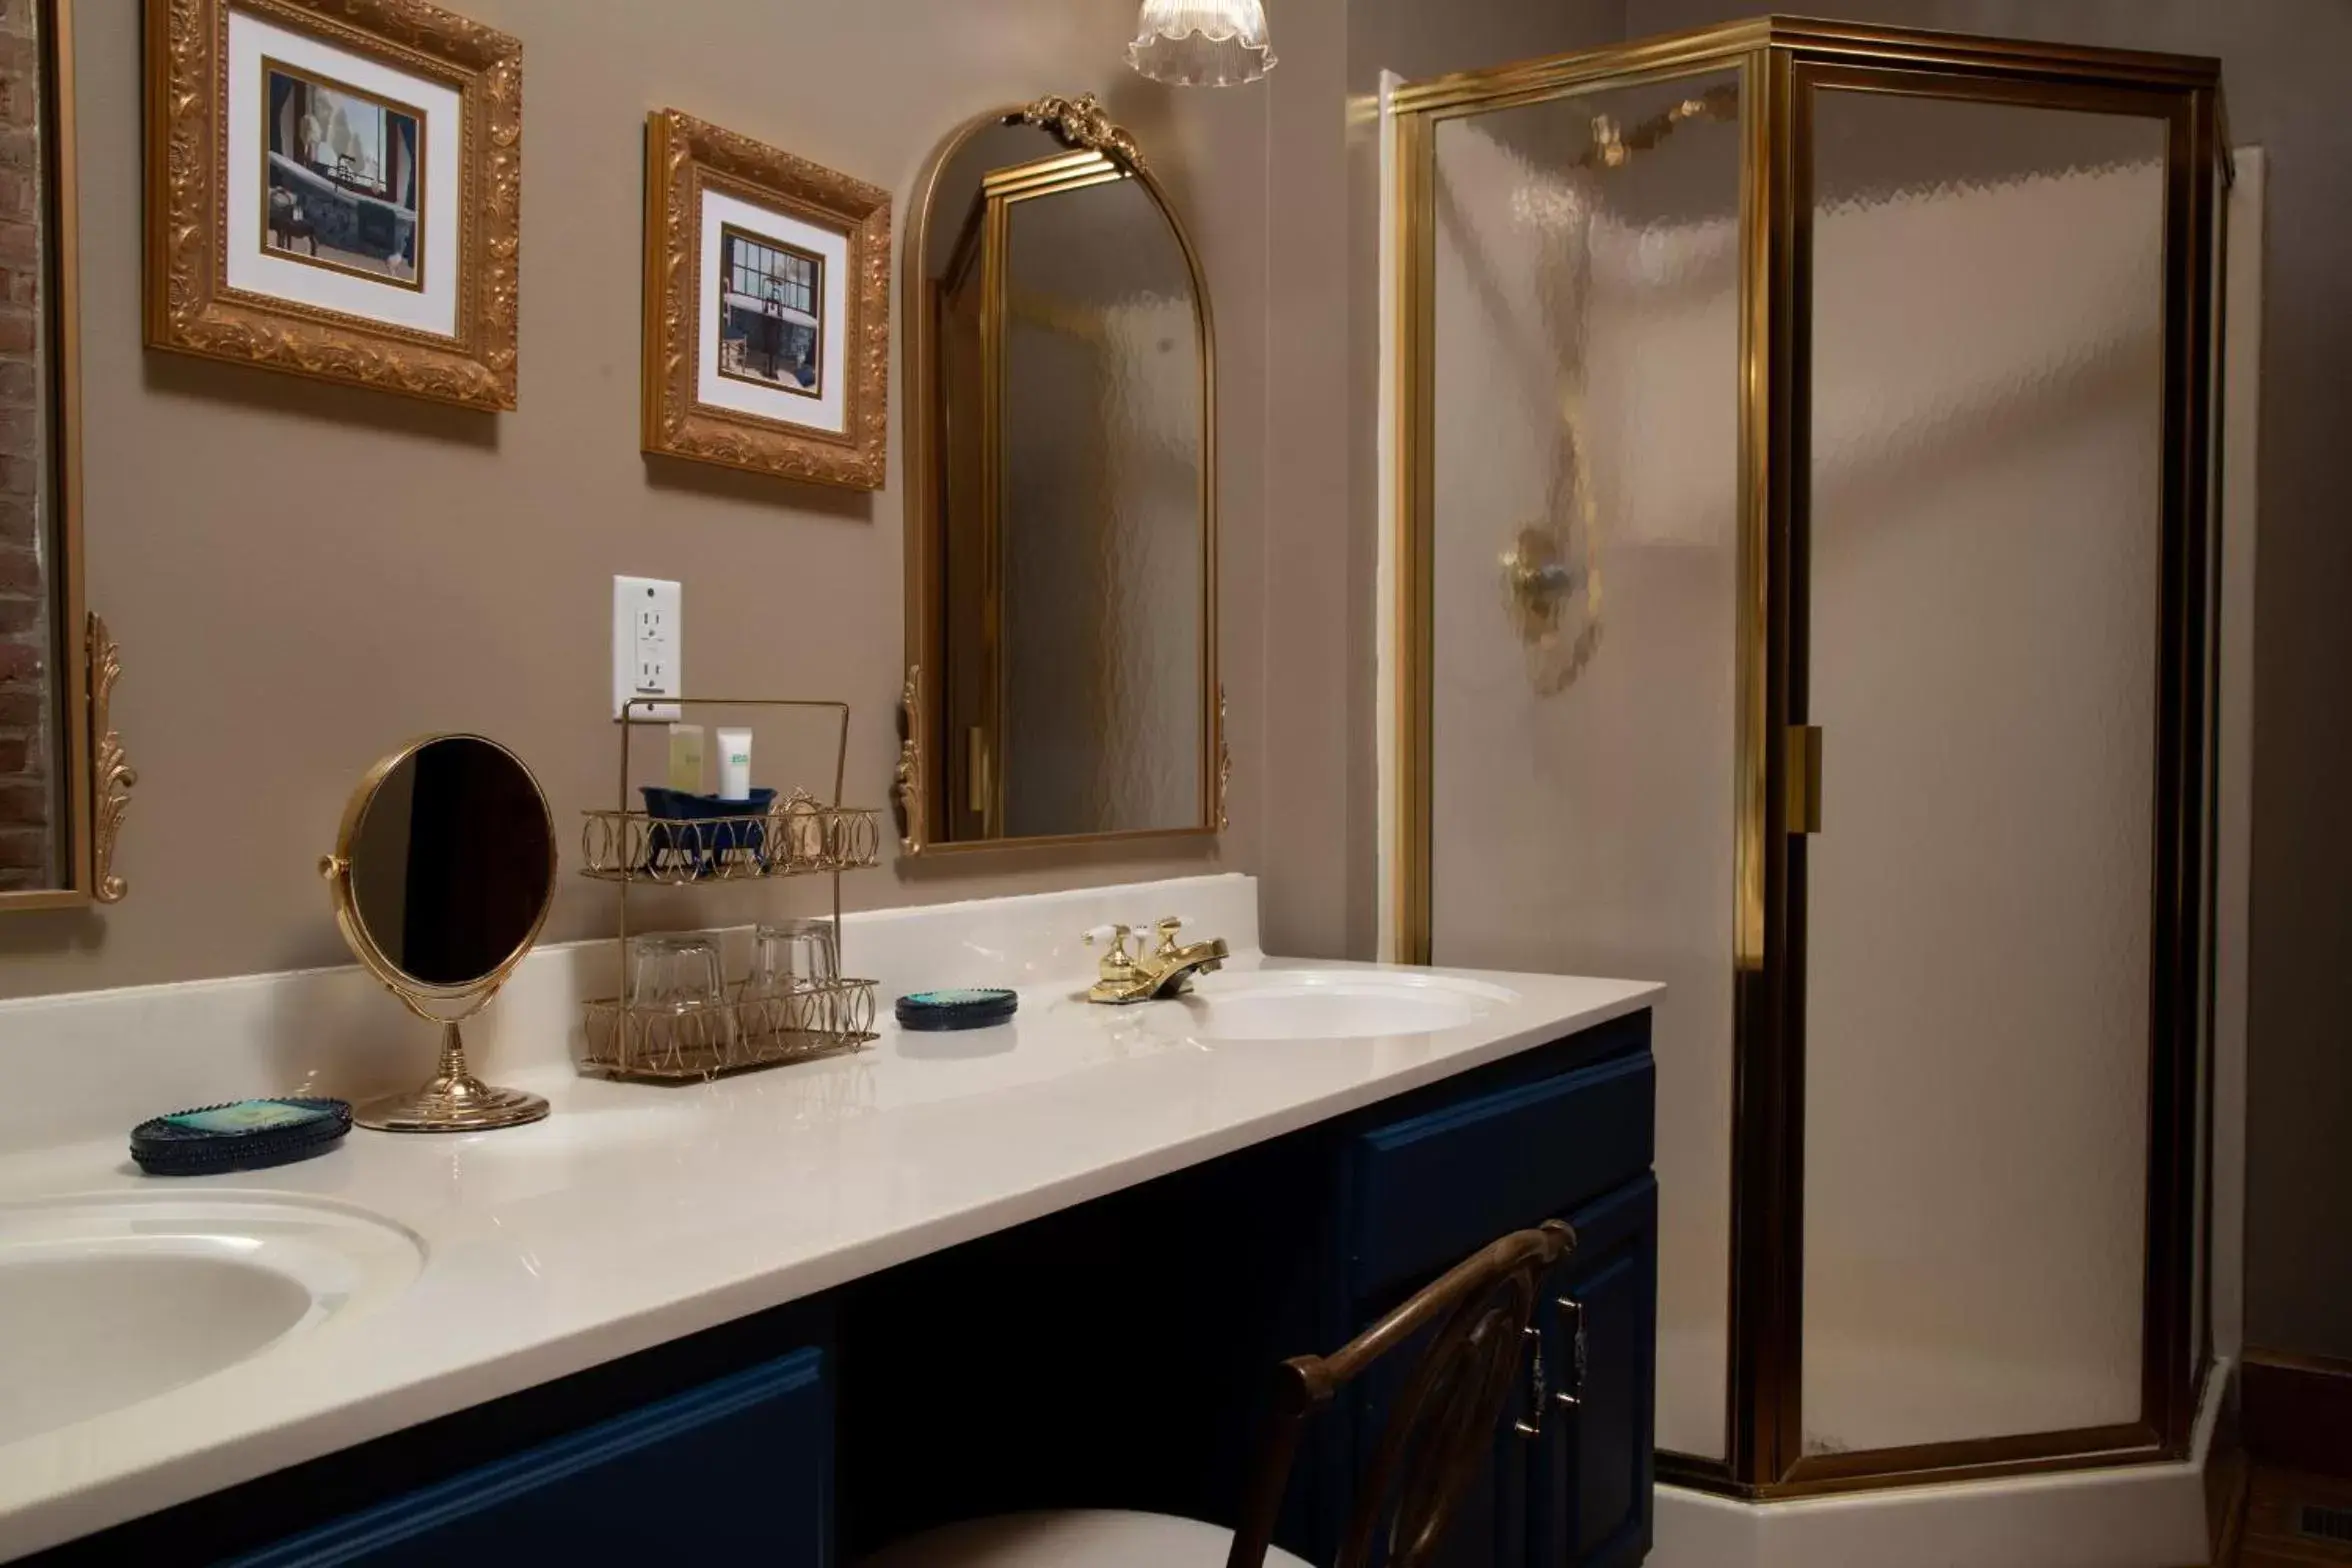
<point x="1427" y="1191"/>
<point x="738" y="1470"/>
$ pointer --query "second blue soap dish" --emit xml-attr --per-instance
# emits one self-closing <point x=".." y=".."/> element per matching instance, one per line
<point x="962" y="1009"/>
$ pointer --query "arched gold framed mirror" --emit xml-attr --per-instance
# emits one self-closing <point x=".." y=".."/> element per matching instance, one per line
<point x="1061" y="514"/>
<point x="442" y="875"/>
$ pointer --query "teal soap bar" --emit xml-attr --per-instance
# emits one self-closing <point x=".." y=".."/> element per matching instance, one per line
<point x="246" y="1116"/>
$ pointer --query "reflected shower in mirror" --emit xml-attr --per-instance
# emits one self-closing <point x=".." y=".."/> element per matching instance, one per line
<point x="1061" y="633"/>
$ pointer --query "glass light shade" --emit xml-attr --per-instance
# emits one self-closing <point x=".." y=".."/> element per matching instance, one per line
<point x="1201" y="43"/>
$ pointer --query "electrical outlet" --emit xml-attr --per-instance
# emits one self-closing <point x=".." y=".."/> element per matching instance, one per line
<point x="649" y="628"/>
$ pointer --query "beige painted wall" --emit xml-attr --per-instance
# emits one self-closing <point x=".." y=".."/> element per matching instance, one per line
<point x="2283" y="67"/>
<point x="301" y="575"/>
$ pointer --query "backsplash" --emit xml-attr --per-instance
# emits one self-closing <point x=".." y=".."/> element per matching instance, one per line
<point x="94" y="1063"/>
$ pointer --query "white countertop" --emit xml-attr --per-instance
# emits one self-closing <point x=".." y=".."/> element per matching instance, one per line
<point x="636" y="1215"/>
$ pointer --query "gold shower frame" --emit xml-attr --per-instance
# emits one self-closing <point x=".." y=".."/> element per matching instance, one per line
<point x="1780" y="62"/>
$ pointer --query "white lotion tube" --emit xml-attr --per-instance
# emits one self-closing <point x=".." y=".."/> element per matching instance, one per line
<point x="734" y="764"/>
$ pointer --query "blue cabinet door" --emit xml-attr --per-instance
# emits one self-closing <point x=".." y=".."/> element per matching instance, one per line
<point x="1573" y="1490"/>
<point x="1597" y="1320"/>
<point x="737" y="1470"/>
<point x="1489" y="1525"/>
<point x="1424" y="1190"/>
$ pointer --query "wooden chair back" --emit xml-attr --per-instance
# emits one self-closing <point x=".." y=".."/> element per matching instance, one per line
<point x="1443" y="1423"/>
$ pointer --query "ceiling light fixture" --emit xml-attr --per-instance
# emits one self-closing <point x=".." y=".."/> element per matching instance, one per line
<point x="1201" y="43"/>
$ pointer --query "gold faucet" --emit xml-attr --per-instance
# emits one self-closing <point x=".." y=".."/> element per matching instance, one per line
<point x="1163" y="972"/>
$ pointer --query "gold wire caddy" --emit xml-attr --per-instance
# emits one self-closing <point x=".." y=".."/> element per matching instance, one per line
<point x="750" y="1031"/>
<point x="797" y="836"/>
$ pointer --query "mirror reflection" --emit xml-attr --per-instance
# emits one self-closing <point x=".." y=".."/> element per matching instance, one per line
<point x="1064" y="626"/>
<point x="43" y="819"/>
<point x="452" y="863"/>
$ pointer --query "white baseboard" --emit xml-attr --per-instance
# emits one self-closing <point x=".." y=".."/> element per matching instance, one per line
<point x="2126" y="1516"/>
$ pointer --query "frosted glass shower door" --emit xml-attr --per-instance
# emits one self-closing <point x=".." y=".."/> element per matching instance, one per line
<point x="1986" y="528"/>
<point x="1584" y="560"/>
<point x="1802" y="436"/>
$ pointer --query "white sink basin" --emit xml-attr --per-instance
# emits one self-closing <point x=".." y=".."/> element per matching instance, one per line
<point x="107" y="1302"/>
<point x="1340" y="1004"/>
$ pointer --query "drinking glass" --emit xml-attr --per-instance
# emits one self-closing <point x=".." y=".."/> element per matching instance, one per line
<point x="675" y="977"/>
<point x="794" y="955"/>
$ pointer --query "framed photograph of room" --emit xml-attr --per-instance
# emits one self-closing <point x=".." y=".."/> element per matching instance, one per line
<point x="334" y="189"/>
<point x="767" y="308"/>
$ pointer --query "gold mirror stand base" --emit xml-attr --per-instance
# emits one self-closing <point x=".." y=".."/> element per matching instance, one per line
<point x="455" y="1101"/>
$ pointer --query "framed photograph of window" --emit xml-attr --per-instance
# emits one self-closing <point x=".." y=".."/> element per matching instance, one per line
<point x="767" y="308"/>
<point x="334" y="189"/>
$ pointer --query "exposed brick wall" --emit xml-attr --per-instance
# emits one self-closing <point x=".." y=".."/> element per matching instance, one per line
<point x="28" y="850"/>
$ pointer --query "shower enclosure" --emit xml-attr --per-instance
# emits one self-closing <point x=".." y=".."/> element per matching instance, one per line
<point x="1803" y="496"/>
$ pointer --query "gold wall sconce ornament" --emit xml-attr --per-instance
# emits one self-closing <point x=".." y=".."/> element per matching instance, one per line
<point x="1081" y="123"/>
<point x="441" y="876"/>
<point x="906" y="791"/>
<point x="1224" y="762"/>
<point x="112" y="776"/>
<point x="767" y="309"/>
<point x="277" y="237"/>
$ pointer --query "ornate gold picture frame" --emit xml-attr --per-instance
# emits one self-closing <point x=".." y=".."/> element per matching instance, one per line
<point x="767" y="308"/>
<point x="334" y="189"/>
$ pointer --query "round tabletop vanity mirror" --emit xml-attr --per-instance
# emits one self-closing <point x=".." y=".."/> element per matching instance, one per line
<point x="442" y="876"/>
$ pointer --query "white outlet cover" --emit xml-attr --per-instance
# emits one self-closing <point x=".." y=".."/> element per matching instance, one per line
<point x="648" y="635"/>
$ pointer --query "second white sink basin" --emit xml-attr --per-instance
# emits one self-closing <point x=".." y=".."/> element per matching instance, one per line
<point x="108" y="1302"/>
<point x="1339" y="1004"/>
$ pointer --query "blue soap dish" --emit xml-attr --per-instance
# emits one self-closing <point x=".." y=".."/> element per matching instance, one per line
<point x="707" y="828"/>
<point x="242" y="1135"/>
<point x="962" y="1009"/>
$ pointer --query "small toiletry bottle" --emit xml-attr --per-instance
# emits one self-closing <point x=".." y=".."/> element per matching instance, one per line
<point x="734" y="764"/>
<point x="686" y="758"/>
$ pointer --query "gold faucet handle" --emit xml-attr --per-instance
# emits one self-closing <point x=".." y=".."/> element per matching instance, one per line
<point x="1165" y="929"/>
<point x="1115" y="936"/>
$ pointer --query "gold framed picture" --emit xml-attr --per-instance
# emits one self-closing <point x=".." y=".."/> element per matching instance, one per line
<point x="767" y="308"/>
<point x="335" y="190"/>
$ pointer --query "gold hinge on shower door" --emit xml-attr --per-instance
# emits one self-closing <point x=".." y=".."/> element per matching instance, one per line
<point x="1804" y="778"/>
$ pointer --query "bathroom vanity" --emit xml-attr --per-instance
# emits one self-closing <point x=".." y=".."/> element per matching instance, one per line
<point x="788" y="1316"/>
